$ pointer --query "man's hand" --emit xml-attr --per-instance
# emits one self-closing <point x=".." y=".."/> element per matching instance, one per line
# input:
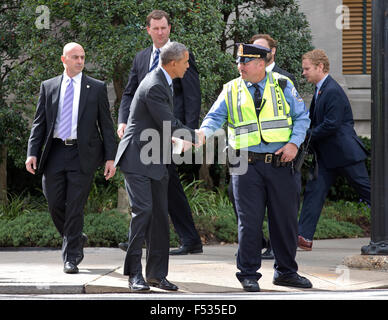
<point x="182" y="145"/>
<point x="110" y="169"/>
<point x="187" y="145"/>
<point x="121" y="129"/>
<point x="31" y="164"/>
<point x="288" y="152"/>
<point x="201" y="137"/>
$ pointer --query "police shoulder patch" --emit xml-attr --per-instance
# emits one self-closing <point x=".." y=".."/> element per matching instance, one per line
<point x="296" y="95"/>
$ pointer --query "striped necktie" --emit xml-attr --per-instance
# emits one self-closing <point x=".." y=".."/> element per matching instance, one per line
<point x="64" y="130"/>
<point x="156" y="60"/>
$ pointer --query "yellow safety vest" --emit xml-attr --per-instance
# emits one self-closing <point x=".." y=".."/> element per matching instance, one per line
<point x="244" y="128"/>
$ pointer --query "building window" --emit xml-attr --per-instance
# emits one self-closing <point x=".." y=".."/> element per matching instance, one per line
<point x="356" y="38"/>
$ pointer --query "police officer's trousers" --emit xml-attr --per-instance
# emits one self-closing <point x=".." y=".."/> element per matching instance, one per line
<point x="277" y="190"/>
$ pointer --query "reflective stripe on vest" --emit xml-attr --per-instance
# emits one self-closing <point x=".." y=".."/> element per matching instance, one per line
<point x="275" y="123"/>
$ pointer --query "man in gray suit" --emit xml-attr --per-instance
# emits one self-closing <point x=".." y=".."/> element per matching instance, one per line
<point x="146" y="174"/>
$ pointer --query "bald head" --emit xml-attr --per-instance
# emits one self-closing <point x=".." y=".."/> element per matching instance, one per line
<point x="70" y="46"/>
<point x="73" y="58"/>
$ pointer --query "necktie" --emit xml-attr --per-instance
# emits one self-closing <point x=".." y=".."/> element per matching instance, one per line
<point x="312" y="105"/>
<point x="257" y="98"/>
<point x="64" y="130"/>
<point x="156" y="60"/>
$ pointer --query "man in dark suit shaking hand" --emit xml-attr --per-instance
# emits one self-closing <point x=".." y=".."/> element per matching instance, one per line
<point x="339" y="150"/>
<point x="187" y="105"/>
<point x="72" y="134"/>
<point x="146" y="175"/>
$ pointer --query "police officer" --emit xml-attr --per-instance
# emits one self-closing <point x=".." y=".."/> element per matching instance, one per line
<point x="267" y="120"/>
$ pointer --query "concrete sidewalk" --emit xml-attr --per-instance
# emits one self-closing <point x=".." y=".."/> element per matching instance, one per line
<point x="39" y="271"/>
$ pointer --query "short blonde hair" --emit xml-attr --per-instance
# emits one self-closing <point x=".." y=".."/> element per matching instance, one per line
<point x="318" y="56"/>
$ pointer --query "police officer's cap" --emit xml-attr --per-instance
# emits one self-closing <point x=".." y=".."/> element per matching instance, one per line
<point x="248" y="52"/>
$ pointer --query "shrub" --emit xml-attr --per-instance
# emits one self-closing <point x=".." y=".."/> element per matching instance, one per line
<point x="29" y="230"/>
<point x="106" y="229"/>
<point x="37" y="230"/>
<point x="330" y="228"/>
<point x="20" y="204"/>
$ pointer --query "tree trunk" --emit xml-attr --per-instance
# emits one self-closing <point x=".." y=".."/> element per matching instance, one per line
<point x="122" y="196"/>
<point x="3" y="174"/>
<point x="204" y="173"/>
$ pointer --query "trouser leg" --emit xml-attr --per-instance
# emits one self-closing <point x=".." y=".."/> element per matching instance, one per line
<point x="283" y="189"/>
<point x="158" y="235"/>
<point x="250" y="199"/>
<point x="358" y="177"/>
<point x="314" y="198"/>
<point x="140" y="194"/>
<point x="180" y="211"/>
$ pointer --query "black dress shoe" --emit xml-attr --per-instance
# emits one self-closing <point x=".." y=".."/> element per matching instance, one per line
<point x="162" y="284"/>
<point x="136" y="283"/>
<point x="268" y="254"/>
<point x="123" y="246"/>
<point x="182" y="250"/>
<point x="70" y="267"/>
<point x="292" y="280"/>
<point x="80" y="256"/>
<point x="250" y="285"/>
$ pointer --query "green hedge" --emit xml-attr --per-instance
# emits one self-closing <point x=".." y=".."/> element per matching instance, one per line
<point x="37" y="230"/>
<point x="342" y="219"/>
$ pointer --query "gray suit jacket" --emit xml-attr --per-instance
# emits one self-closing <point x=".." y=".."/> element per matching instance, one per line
<point x="145" y="148"/>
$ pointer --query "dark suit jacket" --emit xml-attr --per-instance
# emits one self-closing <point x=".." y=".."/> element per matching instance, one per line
<point x="95" y="131"/>
<point x="187" y="92"/>
<point x="332" y="127"/>
<point x="151" y="106"/>
<point x="285" y="73"/>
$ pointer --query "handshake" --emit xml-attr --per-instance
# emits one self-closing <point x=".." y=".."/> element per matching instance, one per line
<point x="180" y="145"/>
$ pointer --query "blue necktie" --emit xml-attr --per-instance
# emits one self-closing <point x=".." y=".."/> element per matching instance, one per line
<point x="156" y="60"/>
<point x="64" y="130"/>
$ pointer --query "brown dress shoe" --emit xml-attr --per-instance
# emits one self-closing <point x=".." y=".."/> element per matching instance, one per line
<point x="305" y="244"/>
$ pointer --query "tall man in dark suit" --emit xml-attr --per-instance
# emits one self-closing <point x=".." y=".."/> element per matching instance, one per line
<point x="72" y="134"/>
<point x="187" y="104"/>
<point x="146" y="175"/>
<point x="339" y="150"/>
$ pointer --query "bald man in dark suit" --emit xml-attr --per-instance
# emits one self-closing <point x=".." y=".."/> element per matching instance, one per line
<point x="72" y="134"/>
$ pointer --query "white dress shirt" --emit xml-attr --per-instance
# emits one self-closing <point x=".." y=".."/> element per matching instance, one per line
<point x="270" y="67"/>
<point x="77" y="92"/>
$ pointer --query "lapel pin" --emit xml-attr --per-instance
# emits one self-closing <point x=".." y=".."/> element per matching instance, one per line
<point x="87" y="86"/>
